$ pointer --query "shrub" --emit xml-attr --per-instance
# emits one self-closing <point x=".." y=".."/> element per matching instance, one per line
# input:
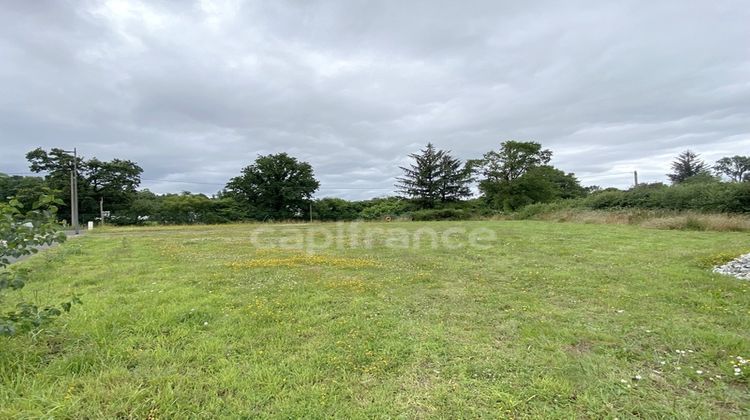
<point x="607" y="199"/>
<point x="440" y="214"/>
<point x="709" y="196"/>
<point x="534" y="210"/>
<point x="646" y="196"/>
<point x="20" y="233"/>
<point x="328" y="209"/>
<point x="380" y="208"/>
<point x="737" y="198"/>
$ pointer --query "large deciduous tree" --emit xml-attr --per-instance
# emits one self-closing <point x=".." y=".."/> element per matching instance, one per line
<point x="275" y="186"/>
<point x="687" y="165"/>
<point x="513" y="160"/>
<point x="540" y="184"/>
<point x="434" y="177"/>
<point x="736" y="168"/>
<point x="57" y="164"/>
<point x="518" y="174"/>
<point x="112" y="182"/>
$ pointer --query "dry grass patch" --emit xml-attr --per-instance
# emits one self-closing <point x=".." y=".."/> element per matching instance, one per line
<point x="654" y="219"/>
<point x="716" y="222"/>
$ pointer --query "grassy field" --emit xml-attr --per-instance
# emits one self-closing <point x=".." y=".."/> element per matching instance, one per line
<point x="546" y="320"/>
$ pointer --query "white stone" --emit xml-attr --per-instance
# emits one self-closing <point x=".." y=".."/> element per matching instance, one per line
<point x="739" y="268"/>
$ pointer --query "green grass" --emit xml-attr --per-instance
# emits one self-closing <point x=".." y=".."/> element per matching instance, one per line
<point x="554" y="320"/>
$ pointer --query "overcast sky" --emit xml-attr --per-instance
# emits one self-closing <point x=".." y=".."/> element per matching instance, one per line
<point x="195" y="91"/>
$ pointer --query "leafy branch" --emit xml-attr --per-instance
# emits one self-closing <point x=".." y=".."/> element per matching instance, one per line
<point x="21" y="233"/>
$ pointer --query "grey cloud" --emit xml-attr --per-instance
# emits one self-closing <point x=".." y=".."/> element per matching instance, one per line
<point x="193" y="92"/>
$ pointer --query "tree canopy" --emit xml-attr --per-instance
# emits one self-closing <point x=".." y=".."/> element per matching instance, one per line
<point x="686" y="165"/>
<point x="434" y="184"/>
<point x="435" y="177"/>
<point x="518" y="174"/>
<point x="26" y="189"/>
<point x="513" y="160"/>
<point x="275" y="186"/>
<point x="539" y="184"/>
<point x="736" y="168"/>
<point x="115" y="182"/>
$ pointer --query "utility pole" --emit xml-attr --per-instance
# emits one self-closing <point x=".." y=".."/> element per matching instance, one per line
<point x="74" y="201"/>
<point x="635" y="175"/>
<point x="101" y="209"/>
<point x="74" y="192"/>
<point x="311" y="212"/>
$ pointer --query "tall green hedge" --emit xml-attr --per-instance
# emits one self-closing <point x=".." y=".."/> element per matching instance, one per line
<point x="720" y="197"/>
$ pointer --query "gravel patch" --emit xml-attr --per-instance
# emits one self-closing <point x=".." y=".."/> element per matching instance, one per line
<point x="738" y="267"/>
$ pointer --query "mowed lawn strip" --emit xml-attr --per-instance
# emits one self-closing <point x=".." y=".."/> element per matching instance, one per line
<point x="551" y="320"/>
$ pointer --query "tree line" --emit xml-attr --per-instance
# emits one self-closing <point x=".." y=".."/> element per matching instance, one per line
<point x="435" y="185"/>
<point x="101" y="184"/>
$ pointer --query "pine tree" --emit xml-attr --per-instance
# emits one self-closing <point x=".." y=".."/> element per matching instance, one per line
<point x="686" y="165"/>
<point x="421" y="180"/>
<point x="434" y="177"/>
<point x="455" y="179"/>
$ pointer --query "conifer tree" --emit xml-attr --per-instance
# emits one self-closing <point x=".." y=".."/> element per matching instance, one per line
<point x="435" y="177"/>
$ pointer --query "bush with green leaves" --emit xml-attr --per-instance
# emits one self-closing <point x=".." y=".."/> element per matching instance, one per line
<point x="379" y="208"/>
<point x="708" y="196"/>
<point x="21" y="232"/>
<point x="440" y="214"/>
<point x="533" y="210"/>
<point x="332" y="209"/>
